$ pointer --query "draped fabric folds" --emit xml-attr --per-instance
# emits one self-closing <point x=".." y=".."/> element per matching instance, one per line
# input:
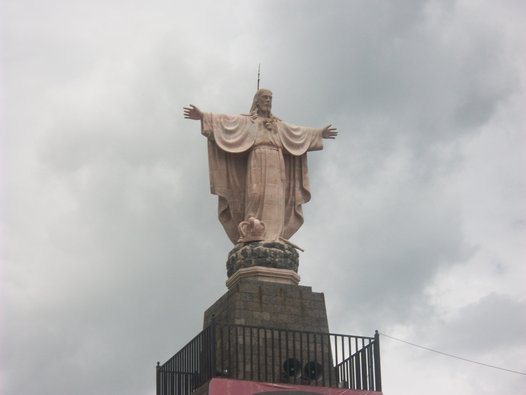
<point x="258" y="167"/>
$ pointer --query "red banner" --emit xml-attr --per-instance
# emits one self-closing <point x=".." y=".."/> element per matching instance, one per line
<point x="240" y="387"/>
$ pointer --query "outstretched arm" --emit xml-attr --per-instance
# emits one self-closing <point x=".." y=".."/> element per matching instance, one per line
<point x="193" y="112"/>
<point x="329" y="132"/>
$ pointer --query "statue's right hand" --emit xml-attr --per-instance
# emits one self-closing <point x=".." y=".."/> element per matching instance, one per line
<point x="193" y="112"/>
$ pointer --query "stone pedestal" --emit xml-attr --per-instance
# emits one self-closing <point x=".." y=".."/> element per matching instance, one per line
<point x="270" y="305"/>
<point x="272" y="332"/>
<point x="268" y="329"/>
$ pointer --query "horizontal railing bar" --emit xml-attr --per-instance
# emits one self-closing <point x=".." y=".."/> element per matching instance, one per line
<point x="219" y="323"/>
<point x="176" y="372"/>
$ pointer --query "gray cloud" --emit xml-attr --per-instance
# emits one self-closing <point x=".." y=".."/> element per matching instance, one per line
<point x="112" y="246"/>
<point x="495" y="319"/>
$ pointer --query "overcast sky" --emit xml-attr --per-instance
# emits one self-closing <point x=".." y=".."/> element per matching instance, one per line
<point x="110" y="245"/>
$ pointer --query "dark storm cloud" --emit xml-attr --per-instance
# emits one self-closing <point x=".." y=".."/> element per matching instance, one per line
<point x="417" y="68"/>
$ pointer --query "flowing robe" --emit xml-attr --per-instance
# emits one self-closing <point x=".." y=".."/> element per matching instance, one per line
<point x="260" y="173"/>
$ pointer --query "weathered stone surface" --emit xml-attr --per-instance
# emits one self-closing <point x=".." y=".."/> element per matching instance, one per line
<point x="271" y="305"/>
<point x="267" y="254"/>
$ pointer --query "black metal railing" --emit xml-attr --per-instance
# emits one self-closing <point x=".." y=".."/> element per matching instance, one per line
<point x="272" y="355"/>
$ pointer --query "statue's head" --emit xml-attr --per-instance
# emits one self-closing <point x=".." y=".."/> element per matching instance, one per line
<point x="262" y="103"/>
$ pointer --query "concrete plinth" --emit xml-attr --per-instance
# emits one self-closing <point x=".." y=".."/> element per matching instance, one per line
<point x="259" y="273"/>
<point x="270" y="305"/>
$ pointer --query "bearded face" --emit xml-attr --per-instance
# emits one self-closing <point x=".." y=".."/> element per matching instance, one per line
<point x="264" y="102"/>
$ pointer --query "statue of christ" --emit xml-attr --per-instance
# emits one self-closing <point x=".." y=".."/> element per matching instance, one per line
<point x="258" y="169"/>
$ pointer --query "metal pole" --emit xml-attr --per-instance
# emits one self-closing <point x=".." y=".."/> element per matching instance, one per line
<point x="157" y="379"/>
<point x="377" y="370"/>
<point x="259" y="70"/>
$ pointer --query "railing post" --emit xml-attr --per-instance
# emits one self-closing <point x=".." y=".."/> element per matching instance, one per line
<point x="377" y="369"/>
<point x="213" y="351"/>
<point x="157" y="379"/>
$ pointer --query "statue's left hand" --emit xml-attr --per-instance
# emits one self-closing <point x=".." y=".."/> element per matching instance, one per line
<point x="329" y="132"/>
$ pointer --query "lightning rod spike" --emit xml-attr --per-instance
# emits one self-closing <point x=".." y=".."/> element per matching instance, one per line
<point x="259" y="71"/>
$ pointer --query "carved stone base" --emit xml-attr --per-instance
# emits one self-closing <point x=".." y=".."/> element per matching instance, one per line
<point x="260" y="273"/>
<point x="274" y="255"/>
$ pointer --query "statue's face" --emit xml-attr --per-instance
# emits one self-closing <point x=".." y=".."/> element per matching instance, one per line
<point x="264" y="102"/>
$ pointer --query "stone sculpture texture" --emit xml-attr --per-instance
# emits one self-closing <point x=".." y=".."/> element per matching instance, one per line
<point x="258" y="169"/>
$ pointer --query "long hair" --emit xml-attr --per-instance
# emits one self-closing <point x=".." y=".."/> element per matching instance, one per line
<point x="254" y="108"/>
